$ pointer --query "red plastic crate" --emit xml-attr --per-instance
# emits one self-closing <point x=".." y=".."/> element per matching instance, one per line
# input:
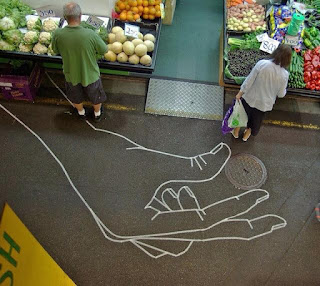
<point x="21" y="87"/>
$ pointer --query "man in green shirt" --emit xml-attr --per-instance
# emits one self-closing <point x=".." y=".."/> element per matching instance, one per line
<point x="78" y="47"/>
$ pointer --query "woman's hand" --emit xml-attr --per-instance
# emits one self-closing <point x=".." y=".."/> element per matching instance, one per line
<point x="239" y="95"/>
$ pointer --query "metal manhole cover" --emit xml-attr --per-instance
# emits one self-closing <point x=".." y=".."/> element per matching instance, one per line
<point x="246" y="172"/>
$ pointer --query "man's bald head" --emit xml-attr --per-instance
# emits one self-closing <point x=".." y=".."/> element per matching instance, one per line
<point x="71" y="11"/>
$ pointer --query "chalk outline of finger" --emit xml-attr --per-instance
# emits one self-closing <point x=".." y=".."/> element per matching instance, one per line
<point x="214" y="151"/>
<point x="177" y="195"/>
<point x="140" y="147"/>
<point x="111" y="236"/>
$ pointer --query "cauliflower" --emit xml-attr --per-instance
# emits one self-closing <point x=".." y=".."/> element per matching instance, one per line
<point x="50" y="51"/>
<point x="45" y="38"/>
<point x="31" y="37"/>
<point x="7" y="23"/>
<point x="5" y="46"/>
<point x="34" y="24"/>
<point x="25" y="48"/>
<point x="40" y="49"/>
<point x="13" y="37"/>
<point x="49" y="25"/>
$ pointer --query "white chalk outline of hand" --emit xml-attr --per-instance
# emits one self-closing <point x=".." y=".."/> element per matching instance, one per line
<point x="138" y="239"/>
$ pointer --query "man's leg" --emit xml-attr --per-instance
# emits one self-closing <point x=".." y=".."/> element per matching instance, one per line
<point x="97" y="96"/>
<point x="80" y="108"/>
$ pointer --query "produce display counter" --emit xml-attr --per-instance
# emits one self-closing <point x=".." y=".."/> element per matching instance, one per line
<point x="105" y="66"/>
<point x="224" y="48"/>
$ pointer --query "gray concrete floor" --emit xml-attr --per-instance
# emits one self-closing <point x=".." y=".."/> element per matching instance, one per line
<point x="118" y="184"/>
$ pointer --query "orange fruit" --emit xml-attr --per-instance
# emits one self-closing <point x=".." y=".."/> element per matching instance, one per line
<point x="136" y="17"/>
<point x="123" y="16"/>
<point x="134" y="4"/>
<point x="130" y="17"/>
<point x="121" y="6"/>
<point x="151" y="17"/>
<point x="140" y="8"/>
<point x="145" y="16"/>
<point x="152" y="10"/>
<point x="140" y="14"/>
<point x="157" y="7"/>
<point x="158" y="14"/>
<point x="146" y="10"/>
<point x="158" y="2"/>
<point x="139" y="2"/>
<point x="135" y="10"/>
<point x="145" y="3"/>
<point x="152" y="2"/>
<point x="117" y="9"/>
<point x="128" y="7"/>
<point x="130" y="2"/>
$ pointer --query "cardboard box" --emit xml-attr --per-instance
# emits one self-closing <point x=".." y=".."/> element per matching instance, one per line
<point x="21" y="87"/>
<point x="170" y="6"/>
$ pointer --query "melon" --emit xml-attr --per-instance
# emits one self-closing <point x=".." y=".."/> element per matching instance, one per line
<point x="141" y="50"/>
<point x="150" y="45"/>
<point x="120" y="37"/>
<point x="128" y="48"/>
<point x="110" y="56"/>
<point x="116" y="47"/>
<point x="122" y="57"/>
<point x="116" y="29"/>
<point x="149" y="37"/>
<point x="137" y="42"/>
<point x="140" y="36"/>
<point x="134" y="59"/>
<point x="111" y="38"/>
<point x="146" y="60"/>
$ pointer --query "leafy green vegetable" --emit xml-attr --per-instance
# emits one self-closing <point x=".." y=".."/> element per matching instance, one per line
<point x="7" y="23"/>
<point x="13" y="37"/>
<point x="15" y="10"/>
<point x="103" y="33"/>
<point x="5" y="46"/>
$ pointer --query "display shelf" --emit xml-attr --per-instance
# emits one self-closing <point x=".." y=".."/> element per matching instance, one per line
<point x="233" y="84"/>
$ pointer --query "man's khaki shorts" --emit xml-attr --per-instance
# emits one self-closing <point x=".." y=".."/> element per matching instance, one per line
<point x="78" y="93"/>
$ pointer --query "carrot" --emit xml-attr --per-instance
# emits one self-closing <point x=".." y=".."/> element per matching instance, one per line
<point x="249" y="1"/>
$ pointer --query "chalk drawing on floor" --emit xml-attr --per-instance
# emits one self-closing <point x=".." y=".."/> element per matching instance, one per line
<point x="146" y="242"/>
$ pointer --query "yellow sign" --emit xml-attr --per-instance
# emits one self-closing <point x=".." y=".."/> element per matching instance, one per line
<point x="23" y="261"/>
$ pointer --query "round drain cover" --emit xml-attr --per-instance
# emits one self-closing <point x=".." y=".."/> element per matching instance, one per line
<point x="246" y="172"/>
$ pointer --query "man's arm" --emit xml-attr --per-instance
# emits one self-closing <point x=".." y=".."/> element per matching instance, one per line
<point x="54" y="43"/>
<point x="100" y="46"/>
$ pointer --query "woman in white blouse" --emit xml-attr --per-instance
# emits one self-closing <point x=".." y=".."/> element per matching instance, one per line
<point x="267" y="81"/>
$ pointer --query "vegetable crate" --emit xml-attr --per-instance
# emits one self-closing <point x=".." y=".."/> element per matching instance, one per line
<point x="21" y="87"/>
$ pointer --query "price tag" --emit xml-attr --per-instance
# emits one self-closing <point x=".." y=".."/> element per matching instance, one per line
<point x="94" y="22"/>
<point x="291" y="40"/>
<point x="45" y="13"/>
<point x="269" y="45"/>
<point x="262" y="37"/>
<point x="131" y="30"/>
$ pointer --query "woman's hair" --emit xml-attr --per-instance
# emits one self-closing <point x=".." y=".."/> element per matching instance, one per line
<point x="282" y="56"/>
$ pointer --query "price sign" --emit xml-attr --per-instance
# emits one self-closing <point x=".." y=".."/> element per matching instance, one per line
<point x="269" y="45"/>
<point x="131" y="30"/>
<point x="262" y="37"/>
<point x="45" y="13"/>
<point x="291" y="40"/>
<point x="94" y="22"/>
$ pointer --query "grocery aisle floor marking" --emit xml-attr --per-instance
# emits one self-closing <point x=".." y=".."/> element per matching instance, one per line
<point x="292" y="124"/>
<point x="160" y="206"/>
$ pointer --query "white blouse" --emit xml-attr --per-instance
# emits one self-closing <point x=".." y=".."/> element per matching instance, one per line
<point x="264" y="84"/>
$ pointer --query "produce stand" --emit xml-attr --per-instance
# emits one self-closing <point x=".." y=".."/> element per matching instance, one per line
<point x="231" y="83"/>
<point x="105" y="66"/>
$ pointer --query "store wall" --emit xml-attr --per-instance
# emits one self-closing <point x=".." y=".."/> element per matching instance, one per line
<point x="92" y="7"/>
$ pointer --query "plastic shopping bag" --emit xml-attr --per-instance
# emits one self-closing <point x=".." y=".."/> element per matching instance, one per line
<point x="239" y="117"/>
<point x="225" y="128"/>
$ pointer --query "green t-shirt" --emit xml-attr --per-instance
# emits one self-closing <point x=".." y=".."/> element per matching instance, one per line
<point x="78" y="47"/>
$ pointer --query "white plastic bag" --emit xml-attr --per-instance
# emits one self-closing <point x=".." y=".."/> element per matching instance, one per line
<point x="239" y="117"/>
